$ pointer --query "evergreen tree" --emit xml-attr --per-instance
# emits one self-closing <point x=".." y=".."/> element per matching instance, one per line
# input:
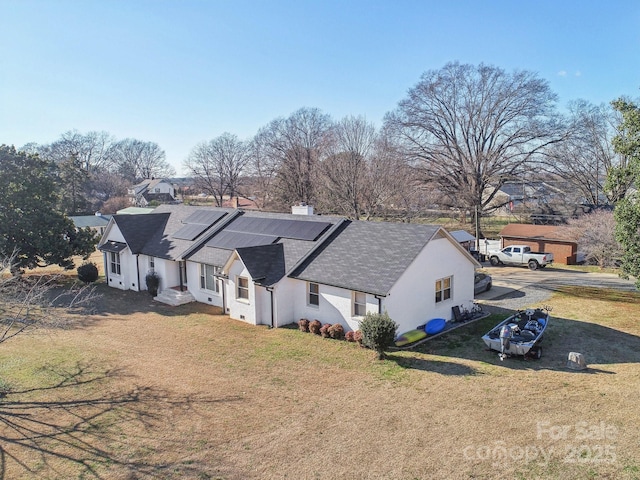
<point x="627" y="211"/>
<point x="31" y="226"/>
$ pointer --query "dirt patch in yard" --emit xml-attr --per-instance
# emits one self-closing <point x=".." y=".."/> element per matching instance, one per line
<point x="142" y="390"/>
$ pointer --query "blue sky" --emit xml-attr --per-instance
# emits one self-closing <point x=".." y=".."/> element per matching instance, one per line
<point x="177" y="72"/>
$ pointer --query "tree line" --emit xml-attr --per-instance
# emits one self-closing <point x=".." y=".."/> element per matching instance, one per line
<point x="457" y="137"/>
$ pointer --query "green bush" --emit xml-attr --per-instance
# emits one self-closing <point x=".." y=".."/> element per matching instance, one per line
<point x="87" y="272"/>
<point x="378" y="332"/>
<point x="153" y="283"/>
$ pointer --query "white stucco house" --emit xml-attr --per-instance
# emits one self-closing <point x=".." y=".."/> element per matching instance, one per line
<point x="152" y="189"/>
<point x="273" y="269"/>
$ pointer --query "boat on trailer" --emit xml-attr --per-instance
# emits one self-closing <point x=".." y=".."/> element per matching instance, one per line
<point x="520" y="334"/>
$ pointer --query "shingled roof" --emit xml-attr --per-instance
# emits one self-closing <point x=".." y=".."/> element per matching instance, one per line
<point x="366" y="256"/>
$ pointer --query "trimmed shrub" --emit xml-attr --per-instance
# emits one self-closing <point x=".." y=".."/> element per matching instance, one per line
<point x="153" y="283"/>
<point x="324" y="330"/>
<point x="314" y="327"/>
<point x="349" y="336"/>
<point x="378" y="332"/>
<point x="336" y="331"/>
<point x="88" y="272"/>
<point x="303" y="325"/>
<point x="357" y="337"/>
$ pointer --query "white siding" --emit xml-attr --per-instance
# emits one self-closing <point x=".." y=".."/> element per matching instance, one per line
<point x="240" y="309"/>
<point x="411" y="301"/>
<point x="200" y="294"/>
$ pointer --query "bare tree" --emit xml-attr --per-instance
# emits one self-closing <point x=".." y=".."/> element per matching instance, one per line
<point x="470" y="128"/>
<point x="262" y="170"/>
<point x="587" y="155"/>
<point x="346" y="170"/>
<point x="137" y="160"/>
<point x="217" y="165"/>
<point x="295" y="144"/>
<point x="595" y="236"/>
<point x="92" y="149"/>
<point x="34" y="302"/>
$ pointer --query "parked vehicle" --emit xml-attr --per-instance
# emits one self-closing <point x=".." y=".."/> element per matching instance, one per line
<point x="519" y="334"/>
<point x="482" y="283"/>
<point x="520" y="255"/>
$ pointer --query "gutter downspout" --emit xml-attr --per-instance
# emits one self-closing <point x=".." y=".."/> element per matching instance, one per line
<point x="379" y="303"/>
<point x="270" y="290"/>
<point x="138" y="270"/>
<point x="106" y="272"/>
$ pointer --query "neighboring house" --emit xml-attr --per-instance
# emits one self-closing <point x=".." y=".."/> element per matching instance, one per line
<point x="273" y="269"/>
<point x="531" y="195"/>
<point x="97" y="222"/>
<point x="541" y="238"/>
<point x="135" y="210"/>
<point x="150" y="190"/>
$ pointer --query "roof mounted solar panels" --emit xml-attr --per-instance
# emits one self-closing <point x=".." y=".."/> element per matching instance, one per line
<point x="205" y="217"/>
<point x="190" y="231"/>
<point x="232" y="240"/>
<point x="293" y="229"/>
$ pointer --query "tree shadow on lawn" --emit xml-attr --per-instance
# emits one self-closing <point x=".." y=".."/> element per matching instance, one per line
<point x="437" y="366"/>
<point x="69" y="425"/>
<point x="109" y="301"/>
<point x="599" y="344"/>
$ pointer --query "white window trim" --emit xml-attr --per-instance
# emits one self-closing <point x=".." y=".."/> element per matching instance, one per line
<point x="238" y="287"/>
<point x="354" y="303"/>
<point x="203" y="279"/>
<point x="316" y="294"/>
<point x="114" y="260"/>
<point x="442" y="289"/>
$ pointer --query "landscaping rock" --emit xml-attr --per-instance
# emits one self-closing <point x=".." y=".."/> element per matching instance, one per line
<point x="576" y="361"/>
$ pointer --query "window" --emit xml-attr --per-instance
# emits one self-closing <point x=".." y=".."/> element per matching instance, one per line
<point x="242" y="292"/>
<point x="359" y="304"/>
<point x="115" y="263"/>
<point x="208" y="281"/>
<point x="314" y="294"/>
<point x="152" y="264"/>
<point x="443" y="289"/>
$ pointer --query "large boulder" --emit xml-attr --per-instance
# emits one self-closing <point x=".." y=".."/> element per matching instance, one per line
<point x="576" y="361"/>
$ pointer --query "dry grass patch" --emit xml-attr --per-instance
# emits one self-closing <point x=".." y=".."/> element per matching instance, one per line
<point x="140" y="390"/>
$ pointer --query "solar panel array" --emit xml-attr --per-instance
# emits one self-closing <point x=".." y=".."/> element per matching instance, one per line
<point x="230" y="240"/>
<point x="197" y="223"/>
<point x="190" y="231"/>
<point x="205" y="217"/>
<point x="256" y="231"/>
<point x="294" y="229"/>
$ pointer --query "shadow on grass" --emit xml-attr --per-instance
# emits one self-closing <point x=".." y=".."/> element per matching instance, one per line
<point x="600" y="345"/>
<point x="110" y="301"/>
<point x="437" y="366"/>
<point x="69" y="425"/>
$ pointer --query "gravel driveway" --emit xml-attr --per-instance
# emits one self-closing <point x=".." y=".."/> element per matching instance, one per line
<point x="515" y="288"/>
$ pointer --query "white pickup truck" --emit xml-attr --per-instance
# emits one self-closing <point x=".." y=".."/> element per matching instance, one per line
<point x="520" y="255"/>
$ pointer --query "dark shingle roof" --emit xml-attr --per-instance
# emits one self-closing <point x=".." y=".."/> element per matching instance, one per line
<point x="136" y="228"/>
<point x="265" y="263"/>
<point x="161" y="243"/>
<point x="366" y="256"/>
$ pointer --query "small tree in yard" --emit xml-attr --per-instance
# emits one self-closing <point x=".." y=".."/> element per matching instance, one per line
<point x="378" y="332"/>
<point x="29" y="303"/>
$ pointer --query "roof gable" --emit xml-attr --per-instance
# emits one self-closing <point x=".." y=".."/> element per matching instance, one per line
<point x="265" y="263"/>
<point x="137" y="229"/>
<point x="366" y="256"/>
